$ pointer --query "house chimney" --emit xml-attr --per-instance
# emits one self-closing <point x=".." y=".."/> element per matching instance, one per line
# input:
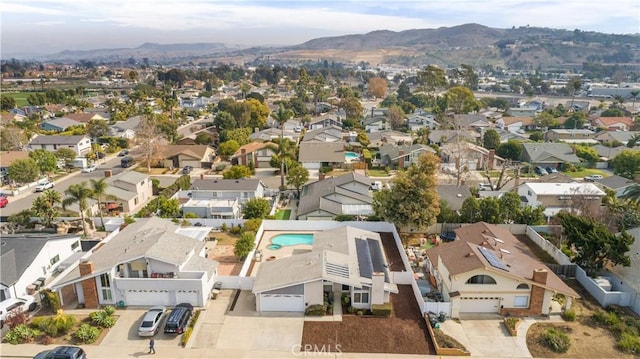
<point x="540" y="275"/>
<point x="243" y="156"/>
<point x="491" y="159"/>
<point x="107" y="173"/>
<point x="401" y="159"/>
<point x="377" y="288"/>
<point x="89" y="288"/>
<point x="320" y="176"/>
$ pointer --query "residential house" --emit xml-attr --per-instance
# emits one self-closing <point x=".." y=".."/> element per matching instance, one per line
<point x="548" y="154"/>
<point x="613" y="123"/>
<point x="211" y="132"/>
<point x="258" y="153"/>
<point x="579" y="136"/>
<point x="273" y="133"/>
<point x="220" y="198"/>
<point x="324" y="134"/>
<point x="59" y="124"/>
<point x="150" y="262"/>
<point x="84" y="117"/>
<point x="377" y="139"/>
<point x="488" y="270"/>
<point x="422" y="119"/>
<point x="516" y="124"/>
<point x="374" y="124"/>
<point x="401" y="156"/>
<point x="341" y="260"/>
<point x="29" y="259"/>
<point x="314" y="155"/>
<point x="616" y="136"/>
<point x="128" y="191"/>
<point x="471" y="121"/>
<point x="7" y="118"/>
<point x="440" y="137"/>
<point x="472" y="156"/>
<point x="453" y="195"/>
<point x="608" y="153"/>
<point x="524" y="111"/>
<point x="555" y="197"/>
<point x="324" y="122"/>
<point x="6" y="159"/>
<point x="578" y="106"/>
<point x="126" y="129"/>
<point x="81" y="143"/>
<point x="329" y="197"/>
<point x="291" y="125"/>
<point x="506" y="136"/>
<point x="179" y="156"/>
<point x="615" y="183"/>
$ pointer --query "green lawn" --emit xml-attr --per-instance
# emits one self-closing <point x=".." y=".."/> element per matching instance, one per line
<point x="20" y="97"/>
<point x="377" y="172"/>
<point x="586" y="172"/>
<point x="283" y="214"/>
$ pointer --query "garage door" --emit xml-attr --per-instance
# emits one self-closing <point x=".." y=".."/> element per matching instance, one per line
<point x="281" y="303"/>
<point x="149" y="297"/>
<point x="188" y="296"/>
<point x="479" y="304"/>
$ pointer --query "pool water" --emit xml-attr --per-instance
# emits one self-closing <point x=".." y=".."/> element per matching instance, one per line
<point x="290" y="239"/>
<point x="351" y="156"/>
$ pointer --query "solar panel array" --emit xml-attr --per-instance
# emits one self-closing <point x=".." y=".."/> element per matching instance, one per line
<point x="491" y="257"/>
<point x="377" y="258"/>
<point x="365" y="264"/>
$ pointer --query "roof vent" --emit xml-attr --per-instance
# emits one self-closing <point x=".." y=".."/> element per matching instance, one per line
<point x="4" y="243"/>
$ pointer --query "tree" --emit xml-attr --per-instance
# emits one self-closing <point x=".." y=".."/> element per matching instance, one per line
<point x="12" y="138"/>
<point x="546" y="120"/>
<point x="377" y="87"/>
<point x="595" y="246"/>
<point x="228" y="148"/>
<point x="634" y="95"/>
<point x="573" y="86"/>
<point x="259" y="113"/>
<point x="256" y="208"/>
<point x="470" y="210"/>
<point x="491" y="139"/>
<point x="466" y="76"/>
<point x="97" y="128"/>
<point x="237" y="172"/>
<point x="168" y="207"/>
<point x="587" y="153"/>
<point x="47" y="161"/>
<point x="203" y="138"/>
<point x="512" y="150"/>
<point x="531" y="216"/>
<point x="148" y="137"/>
<point x="395" y="116"/>
<point x="7" y="103"/>
<point x="352" y="107"/>
<point x="281" y="116"/>
<point x="78" y="193"/>
<point x="461" y="100"/>
<point x="285" y="155"/>
<point x="66" y="154"/>
<point x="363" y="138"/>
<point x="44" y="206"/>
<point x="244" y="245"/>
<point x="297" y="176"/>
<point x="99" y="193"/>
<point x="432" y="78"/>
<point x="413" y="198"/>
<point x="23" y="171"/>
<point x="627" y="164"/>
<point x="240" y="135"/>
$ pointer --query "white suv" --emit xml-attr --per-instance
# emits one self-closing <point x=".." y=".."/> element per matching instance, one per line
<point x="11" y="305"/>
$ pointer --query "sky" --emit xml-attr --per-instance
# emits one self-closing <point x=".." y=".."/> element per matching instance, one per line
<point x="40" y="27"/>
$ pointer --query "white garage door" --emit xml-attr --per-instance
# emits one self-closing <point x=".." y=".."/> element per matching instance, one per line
<point x="149" y="298"/>
<point x="281" y="303"/>
<point x="191" y="297"/>
<point x="479" y="305"/>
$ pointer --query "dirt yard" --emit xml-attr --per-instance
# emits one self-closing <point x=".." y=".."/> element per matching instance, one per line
<point x="404" y="333"/>
<point x="223" y="253"/>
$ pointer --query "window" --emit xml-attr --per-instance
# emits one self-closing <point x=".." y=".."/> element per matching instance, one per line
<point x="361" y="297"/>
<point x="481" y="279"/>
<point x="521" y="301"/>
<point x="345" y="287"/>
<point x="55" y="259"/>
<point x="105" y="283"/>
<point x="75" y="245"/>
<point x="135" y="201"/>
<point x="522" y="286"/>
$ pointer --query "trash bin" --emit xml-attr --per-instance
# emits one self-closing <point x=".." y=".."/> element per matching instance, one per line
<point x="442" y="316"/>
<point x="121" y="304"/>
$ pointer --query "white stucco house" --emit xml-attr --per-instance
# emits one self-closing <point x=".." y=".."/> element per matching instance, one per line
<point x="220" y="198"/>
<point x="150" y="262"/>
<point x="28" y="260"/>
<point x="80" y="144"/>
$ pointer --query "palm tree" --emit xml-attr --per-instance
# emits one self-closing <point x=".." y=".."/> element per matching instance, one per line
<point x="632" y="193"/>
<point x="45" y="206"/>
<point x="574" y="85"/>
<point x="99" y="192"/>
<point x="78" y="193"/>
<point x="282" y="116"/>
<point x="634" y="96"/>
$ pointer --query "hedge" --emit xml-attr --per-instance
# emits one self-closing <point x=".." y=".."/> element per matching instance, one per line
<point x="182" y="183"/>
<point x="315" y="310"/>
<point x="381" y="310"/>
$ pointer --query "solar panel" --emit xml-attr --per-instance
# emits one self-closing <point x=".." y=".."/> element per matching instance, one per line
<point x="491" y="257"/>
<point x="365" y="264"/>
<point x="377" y="258"/>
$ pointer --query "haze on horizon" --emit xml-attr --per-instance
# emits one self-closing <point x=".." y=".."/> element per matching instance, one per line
<point x="40" y="27"/>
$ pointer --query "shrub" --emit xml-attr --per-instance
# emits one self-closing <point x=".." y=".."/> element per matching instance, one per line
<point x="87" y="334"/>
<point x="511" y="322"/>
<point x="360" y="312"/>
<point x="346" y="299"/>
<point x="186" y="336"/>
<point x="21" y="334"/>
<point x="569" y="316"/>
<point x="315" y="310"/>
<point x="16" y="318"/>
<point x="221" y="167"/>
<point x="381" y="310"/>
<point x="629" y="343"/>
<point x="351" y="309"/>
<point x="235" y="230"/>
<point x="109" y="309"/>
<point x="606" y="318"/>
<point x="252" y="225"/>
<point x="556" y="340"/>
<point x="224" y="227"/>
<point x="103" y="318"/>
<point x="193" y="321"/>
<point x="46" y="340"/>
<point x="51" y="300"/>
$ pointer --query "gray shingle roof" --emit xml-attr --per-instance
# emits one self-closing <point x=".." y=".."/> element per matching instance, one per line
<point x="62" y="122"/>
<point x="392" y="150"/>
<point x="313" y="194"/>
<point x="548" y="152"/>
<point x="454" y="195"/>
<point x="324" y="134"/>
<point x="57" y="140"/>
<point x="615" y="182"/>
<point x="219" y="184"/>
<point x="322" y="152"/>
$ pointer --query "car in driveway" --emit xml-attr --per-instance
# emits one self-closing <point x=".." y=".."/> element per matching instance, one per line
<point x="592" y="178"/>
<point x="187" y="169"/>
<point x="150" y="323"/>
<point x="90" y="168"/>
<point x="16" y="305"/>
<point x="43" y="186"/>
<point x="62" y="352"/>
<point x="540" y="171"/>
<point x="178" y="319"/>
<point x="4" y="201"/>
<point x="123" y="153"/>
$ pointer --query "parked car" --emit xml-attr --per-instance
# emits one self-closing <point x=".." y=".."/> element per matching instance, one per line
<point x="187" y="169"/>
<point x="591" y="178"/>
<point x="100" y="155"/>
<point x="62" y="352"/>
<point x="126" y="162"/>
<point x="551" y="170"/>
<point x="123" y="153"/>
<point x="178" y="319"/>
<point x="4" y="201"/>
<point x="11" y="305"/>
<point x="484" y="187"/>
<point x="43" y="186"/>
<point x="540" y="171"/>
<point x="151" y="321"/>
<point x="90" y="168"/>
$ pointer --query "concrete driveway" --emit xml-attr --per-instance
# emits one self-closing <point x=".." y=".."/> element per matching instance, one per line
<point x="125" y="333"/>
<point x="484" y="335"/>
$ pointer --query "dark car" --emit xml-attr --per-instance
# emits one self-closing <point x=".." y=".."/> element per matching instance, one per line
<point x="178" y="319"/>
<point x="62" y="352"/>
<point x="187" y="169"/>
<point x="123" y="153"/>
<point x="100" y="155"/>
<point x="551" y="170"/>
<point x="540" y="171"/>
<point x="126" y="162"/>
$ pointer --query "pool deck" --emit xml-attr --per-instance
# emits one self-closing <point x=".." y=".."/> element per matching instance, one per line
<point x="285" y="251"/>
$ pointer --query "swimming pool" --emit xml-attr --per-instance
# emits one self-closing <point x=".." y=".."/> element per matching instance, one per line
<point x="290" y="239"/>
<point x="351" y="156"/>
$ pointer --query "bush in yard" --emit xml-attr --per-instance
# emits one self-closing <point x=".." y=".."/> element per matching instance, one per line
<point x="58" y="324"/>
<point x="87" y="334"/>
<point x="235" y="229"/>
<point x="103" y="318"/>
<point x="51" y="300"/>
<point x="556" y="340"/>
<point x="16" y="318"/>
<point x="21" y="334"/>
<point x="629" y="343"/>
<point x="186" y="336"/>
<point x="46" y="340"/>
<point x="569" y="316"/>
<point x="252" y="225"/>
<point x="346" y="299"/>
<point x="381" y="310"/>
<point x="244" y="245"/>
<point x="193" y="321"/>
<point x="315" y="310"/>
<point x="606" y="318"/>
<point x="109" y="309"/>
